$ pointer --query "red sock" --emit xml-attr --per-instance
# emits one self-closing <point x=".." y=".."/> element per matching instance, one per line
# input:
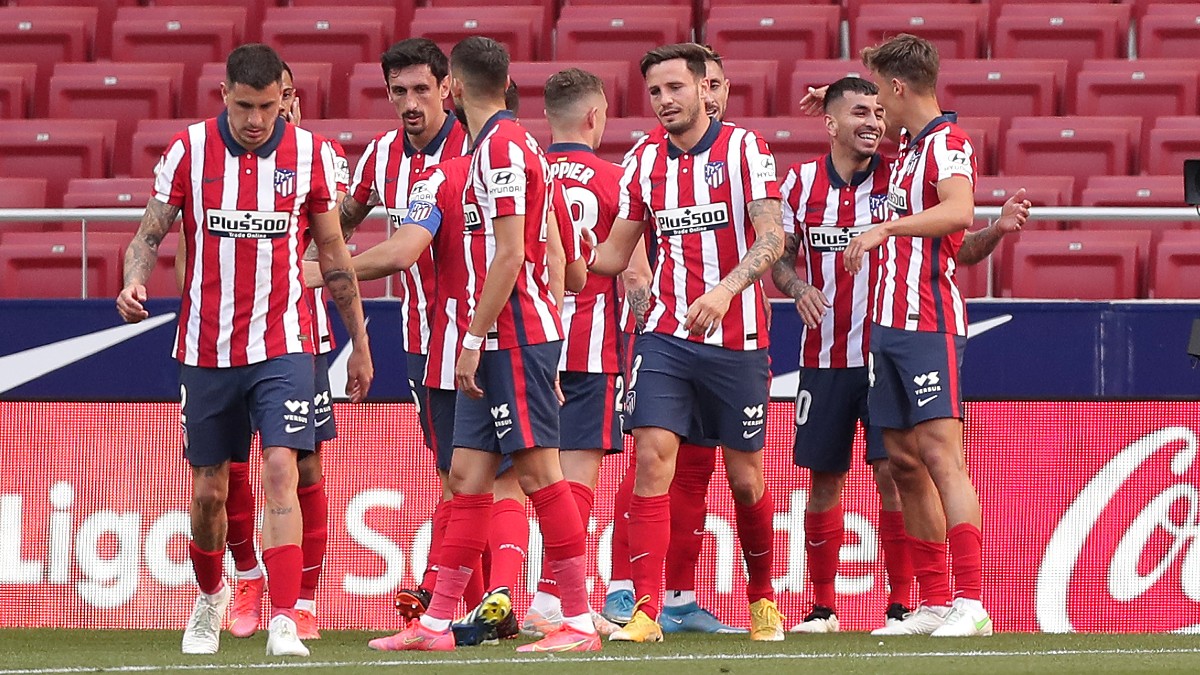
<point x="693" y="470"/>
<point x="584" y="498"/>
<point x="463" y="543"/>
<point x="649" y="536"/>
<point x="620" y="536"/>
<point x="508" y="539"/>
<point x="284" y="567"/>
<point x="209" y="568"/>
<point x="562" y="535"/>
<point x="929" y="566"/>
<point x="895" y="557"/>
<point x="239" y="506"/>
<point x="314" y="508"/>
<point x="441" y="516"/>
<point x="757" y="534"/>
<point x="476" y="586"/>
<point x="823" y="536"/>
<point x="966" y="554"/>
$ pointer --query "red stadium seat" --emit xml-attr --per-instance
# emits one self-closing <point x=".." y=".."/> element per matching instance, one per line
<point x="311" y="80"/>
<point x="518" y="28"/>
<point x="856" y="8"/>
<point x="1071" y="146"/>
<point x="255" y="11"/>
<point x="1144" y="88"/>
<point x="46" y="36"/>
<point x="1080" y="265"/>
<point x="531" y="83"/>
<point x="125" y="92"/>
<point x="1040" y="191"/>
<point x="1152" y="191"/>
<point x="340" y="36"/>
<point x="150" y="139"/>
<point x="791" y="139"/>
<point x="57" y="150"/>
<point x="23" y="193"/>
<point x="1061" y="30"/>
<point x="352" y="134"/>
<point x="50" y="264"/>
<point x="818" y="73"/>
<point x="107" y="12"/>
<point x="1169" y="31"/>
<point x="1172" y="140"/>
<point x="548" y="8"/>
<point x="620" y="135"/>
<point x="781" y="32"/>
<point x="984" y="133"/>
<point x="109" y="193"/>
<point x="192" y="36"/>
<point x="752" y="89"/>
<point x="16" y="89"/>
<point x="1175" y="266"/>
<point x="539" y="128"/>
<point x="368" y="93"/>
<point x="1005" y="88"/>
<point x="959" y="31"/>
<point x="404" y="10"/>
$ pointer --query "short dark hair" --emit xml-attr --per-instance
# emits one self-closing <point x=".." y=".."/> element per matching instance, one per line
<point x="481" y="63"/>
<point x="254" y="65"/>
<point x="417" y="51"/>
<point x="693" y="54"/>
<point x="566" y="87"/>
<point x="287" y="69"/>
<point x="905" y="57"/>
<point x="512" y="98"/>
<point x="713" y="55"/>
<point x="848" y="85"/>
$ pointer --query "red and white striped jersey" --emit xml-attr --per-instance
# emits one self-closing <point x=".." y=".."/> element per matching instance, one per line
<point x="591" y="318"/>
<point x="321" y="318"/>
<point x="826" y="212"/>
<point x="698" y="200"/>
<point x="245" y="220"/>
<point x="385" y="175"/>
<point x="568" y="235"/>
<point x="916" y="289"/>
<point x="509" y="177"/>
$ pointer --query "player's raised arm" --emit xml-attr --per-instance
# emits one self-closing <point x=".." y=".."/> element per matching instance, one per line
<point x="140" y="257"/>
<point x="979" y="245"/>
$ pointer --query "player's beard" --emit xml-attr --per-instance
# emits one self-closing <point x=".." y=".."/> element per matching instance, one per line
<point x="685" y="120"/>
<point x="460" y="114"/>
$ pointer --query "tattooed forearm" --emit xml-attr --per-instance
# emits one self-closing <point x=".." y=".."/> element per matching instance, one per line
<point x="281" y="511"/>
<point x="783" y="272"/>
<point x="767" y="217"/>
<point x="978" y="245"/>
<point x="312" y="253"/>
<point x="351" y="214"/>
<point x="143" y="250"/>
<point x="639" y="303"/>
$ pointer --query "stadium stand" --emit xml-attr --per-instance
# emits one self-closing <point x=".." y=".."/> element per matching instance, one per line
<point x="791" y="139"/>
<point x="1169" y="31"/>
<point x="1061" y="30"/>
<point x="519" y="28"/>
<point x="1134" y="191"/>
<point x="818" y="73"/>
<point x="1081" y="265"/>
<point x="57" y="150"/>
<point x="149" y="141"/>
<point x="22" y="193"/>
<point x="403" y="10"/>
<point x="311" y="80"/>
<point x="621" y="134"/>
<point x="368" y="93"/>
<point x="958" y="30"/>
<point x="47" y="264"/>
<point x="1171" y="141"/>
<point x="45" y="36"/>
<point x="1175" y="266"/>
<point x="255" y="11"/>
<point x="1146" y="88"/>
<point x="783" y="32"/>
<point x="16" y="89"/>
<point x="1071" y="146"/>
<point x="752" y="90"/>
<point x="1006" y="88"/>
<point x="1040" y="191"/>
<point x="548" y="12"/>
<point x="531" y="83"/>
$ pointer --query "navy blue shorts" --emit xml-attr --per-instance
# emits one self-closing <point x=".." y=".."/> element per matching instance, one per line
<point x="914" y="376"/>
<point x="589" y="419"/>
<point x="674" y="382"/>
<point x="830" y="404"/>
<point x="326" y="428"/>
<point x="221" y="406"/>
<point x="695" y="436"/>
<point x="519" y="409"/>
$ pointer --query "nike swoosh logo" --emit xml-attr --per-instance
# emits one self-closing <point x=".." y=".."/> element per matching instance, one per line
<point x="566" y="647"/>
<point x="291" y="429"/>
<point x="321" y="422"/>
<point x="817" y="543"/>
<point x="413" y="640"/>
<point x="921" y="403"/>
<point x="27" y="365"/>
<point x="502" y="434"/>
<point x="309" y="569"/>
<point x="638" y="557"/>
<point x="751" y="434"/>
<point x="698" y="533"/>
<point x="678" y="622"/>
<point x="982" y="623"/>
<point x="212" y="179"/>
<point x="752" y="554"/>
<point x="980" y="327"/>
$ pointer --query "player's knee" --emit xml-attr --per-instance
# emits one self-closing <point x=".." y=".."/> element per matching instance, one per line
<point x="280" y="475"/>
<point x="826" y="491"/>
<point x="208" y="498"/>
<point x="747" y="488"/>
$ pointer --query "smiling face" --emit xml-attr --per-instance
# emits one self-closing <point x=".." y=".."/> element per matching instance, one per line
<point x="417" y="96"/>
<point x="856" y="122"/>
<point x="252" y="112"/>
<point x="676" y="95"/>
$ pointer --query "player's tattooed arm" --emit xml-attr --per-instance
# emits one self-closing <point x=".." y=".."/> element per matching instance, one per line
<point x="783" y="272"/>
<point x="977" y="246"/>
<point x="341" y="284"/>
<point x="767" y="217"/>
<point x="351" y="213"/>
<point x="143" y="250"/>
<point x="636" y="279"/>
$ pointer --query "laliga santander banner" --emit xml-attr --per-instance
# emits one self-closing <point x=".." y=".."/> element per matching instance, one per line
<point x="1091" y="515"/>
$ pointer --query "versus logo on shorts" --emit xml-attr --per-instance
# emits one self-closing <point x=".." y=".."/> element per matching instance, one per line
<point x="928" y="387"/>
<point x="247" y="224"/>
<point x="505" y="182"/>
<point x="501" y="417"/>
<point x="297" y="411"/>
<point x="833" y="239"/>
<point x="692" y="219"/>
<point x="756" y="415"/>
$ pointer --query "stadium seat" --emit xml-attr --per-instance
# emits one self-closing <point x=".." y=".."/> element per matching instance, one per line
<point x="340" y="36"/>
<point x="531" y="83"/>
<point x="192" y="36"/>
<point x="255" y="11"/>
<point x="1071" y="146"/>
<point x="1150" y="191"/>
<point x="620" y="135"/>
<point x="855" y="8"/>
<point x="1175" y="266"/>
<point x="539" y="128"/>
<point x="46" y="36"/>
<point x="1169" y="31"/>
<point x="549" y="11"/>
<point x="791" y="139"/>
<point x="368" y="93"/>
<point x="817" y="73"/>
<point x="50" y="264"/>
<point x="125" y="92"/>
<point x="109" y="193"/>
<point x="1040" y="191"/>
<point x="518" y="28"/>
<point x="57" y="150"/>
<point x="1005" y="88"/>
<point x="1146" y="88"/>
<point x="984" y="133"/>
<point x="106" y="12"/>
<point x="22" y="193"/>
<point x="363" y="239"/>
<point x="1061" y="30"/>
<point x="352" y="134"/>
<point x="16" y="89"/>
<point x="311" y="80"/>
<point x="1171" y="141"/>
<point x="1080" y="265"/>
<point x="959" y="31"/>
<point x="404" y="10"/>
<point x="149" y="141"/>
<point x="752" y="89"/>
<point x="781" y="32"/>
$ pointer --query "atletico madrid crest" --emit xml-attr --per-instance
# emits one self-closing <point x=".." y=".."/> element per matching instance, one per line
<point x="285" y="182"/>
<point x="714" y="174"/>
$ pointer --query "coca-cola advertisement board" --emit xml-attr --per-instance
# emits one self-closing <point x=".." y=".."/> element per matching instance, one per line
<point x="1091" y="515"/>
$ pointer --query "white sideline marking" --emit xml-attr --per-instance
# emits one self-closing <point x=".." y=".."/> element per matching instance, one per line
<point x="604" y="659"/>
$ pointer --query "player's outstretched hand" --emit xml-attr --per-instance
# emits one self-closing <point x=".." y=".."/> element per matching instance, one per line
<point x="1014" y="213"/>
<point x="464" y="373"/>
<point x="130" y="303"/>
<point x="360" y="372"/>
<point x="812" y="305"/>
<point x="813" y="103"/>
<point x="706" y="313"/>
<point x="860" y="246"/>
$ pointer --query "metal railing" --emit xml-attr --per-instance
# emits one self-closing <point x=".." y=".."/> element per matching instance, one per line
<point x="1057" y="213"/>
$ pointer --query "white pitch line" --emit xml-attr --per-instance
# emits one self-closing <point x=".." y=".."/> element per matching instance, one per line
<point x="604" y="659"/>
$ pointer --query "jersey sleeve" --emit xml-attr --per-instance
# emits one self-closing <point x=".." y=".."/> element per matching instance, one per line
<point x="362" y="187"/>
<point x="954" y="155"/>
<point x="341" y="167"/>
<point x="505" y="176"/>
<point x="631" y="204"/>
<point x="789" y="191"/>
<point x="423" y="209"/>
<point x="322" y="196"/>
<point x="171" y="174"/>
<point x="566" y="226"/>
<point x="759" y="168"/>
